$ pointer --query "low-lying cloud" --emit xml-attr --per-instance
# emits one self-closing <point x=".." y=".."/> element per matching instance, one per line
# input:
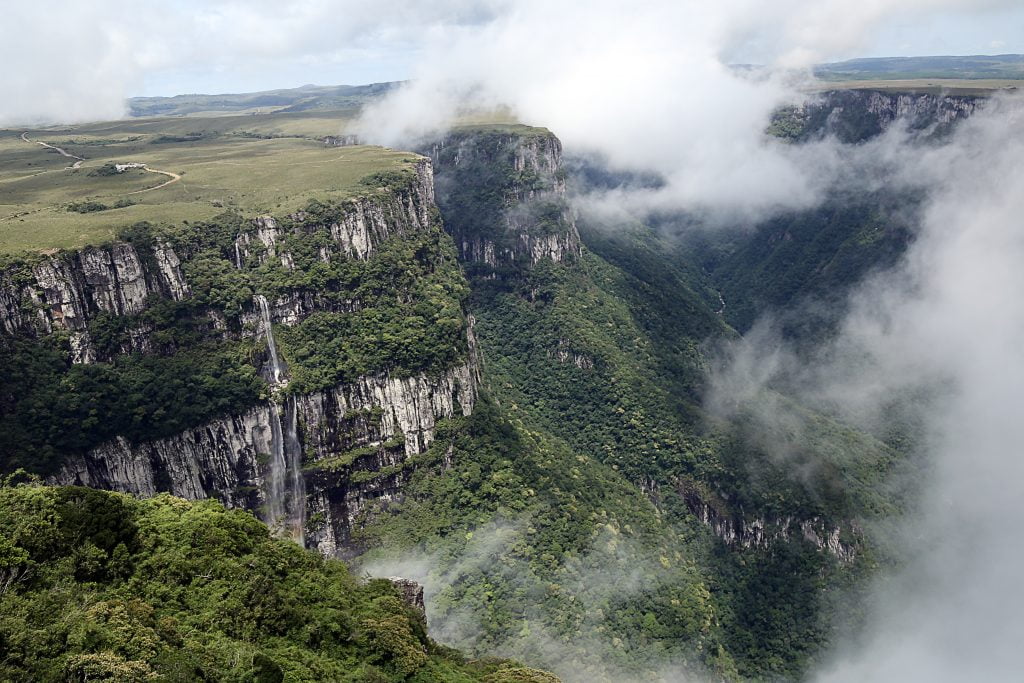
<point x="650" y="89"/>
<point x="588" y="587"/>
<point x="946" y="323"/>
<point x="954" y="612"/>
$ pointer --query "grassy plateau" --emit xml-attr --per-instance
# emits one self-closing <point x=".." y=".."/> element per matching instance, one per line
<point x="256" y="164"/>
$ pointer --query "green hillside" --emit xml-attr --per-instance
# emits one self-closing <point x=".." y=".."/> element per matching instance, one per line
<point x="583" y="474"/>
<point x="102" y="587"/>
<point x="589" y="514"/>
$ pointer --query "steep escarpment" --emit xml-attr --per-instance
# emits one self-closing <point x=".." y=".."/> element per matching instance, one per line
<point x="358" y="442"/>
<point x="294" y="365"/>
<point x="590" y="462"/>
<point x="64" y="292"/>
<point x="855" y="115"/>
<point x="504" y="193"/>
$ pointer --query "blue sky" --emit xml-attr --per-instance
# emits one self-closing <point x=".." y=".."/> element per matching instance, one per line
<point x="947" y="33"/>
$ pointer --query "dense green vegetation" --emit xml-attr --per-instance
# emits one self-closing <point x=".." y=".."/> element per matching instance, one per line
<point x="50" y="408"/>
<point x="806" y="261"/>
<point x="585" y="472"/>
<point x="398" y="312"/>
<point x="630" y="413"/>
<point x="97" y="586"/>
<point x="548" y="555"/>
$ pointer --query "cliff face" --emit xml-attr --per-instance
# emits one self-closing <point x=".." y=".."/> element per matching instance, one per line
<point x="307" y="463"/>
<point x="857" y="115"/>
<point x="487" y="174"/>
<point x="735" y="530"/>
<point x="64" y="292"/>
<point x="357" y="443"/>
<point x="356" y="233"/>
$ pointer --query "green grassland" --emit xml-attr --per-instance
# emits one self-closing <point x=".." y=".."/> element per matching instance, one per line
<point x="304" y="98"/>
<point x="952" y="75"/>
<point x="276" y="166"/>
<point x="968" y="67"/>
<point x="936" y="86"/>
<point x="266" y="124"/>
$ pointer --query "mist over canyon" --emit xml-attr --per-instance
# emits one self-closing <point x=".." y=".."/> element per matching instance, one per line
<point x="583" y="345"/>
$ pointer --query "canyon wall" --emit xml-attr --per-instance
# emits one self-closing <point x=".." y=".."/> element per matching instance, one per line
<point x="306" y="463"/>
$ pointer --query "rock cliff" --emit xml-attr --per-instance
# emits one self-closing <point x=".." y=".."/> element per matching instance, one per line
<point x="356" y="232"/>
<point x="305" y="462"/>
<point x="357" y="442"/>
<point x="857" y="115"/>
<point x="734" y="529"/>
<point x="65" y="291"/>
<point x="487" y="173"/>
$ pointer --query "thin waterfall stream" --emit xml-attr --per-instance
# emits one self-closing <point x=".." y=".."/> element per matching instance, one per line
<point x="286" y="488"/>
<point x="293" y="460"/>
<point x="276" y="492"/>
<point x="275" y="363"/>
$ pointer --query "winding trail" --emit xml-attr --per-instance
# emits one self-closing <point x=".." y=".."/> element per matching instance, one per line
<point x="76" y="165"/>
<point x="174" y="177"/>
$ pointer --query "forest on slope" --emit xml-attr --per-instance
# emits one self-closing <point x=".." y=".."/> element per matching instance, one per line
<point x="98" y="586"/>
<point x="620" y="476"/>
<point x="590" y="513"/>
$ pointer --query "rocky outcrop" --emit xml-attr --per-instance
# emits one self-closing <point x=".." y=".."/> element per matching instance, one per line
<point x="539" y="156"/>
<point x="63" y="292"/>
<point x="356" y="230"/>
<point x="857" y="115"/>
<point x="738" y="531"/>
<point x="516" y="175"/>
<point x="565" y="354"/>
<point x="411" y="592"/>
<point x="355" y="441"/>
<point x="341" y="140"/>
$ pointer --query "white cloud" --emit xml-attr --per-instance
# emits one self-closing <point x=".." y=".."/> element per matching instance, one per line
<point x="648" y="88"/>
<point x="954" y="613"/>
<point x="948" y="319"/>
<point x="69" y="61"/>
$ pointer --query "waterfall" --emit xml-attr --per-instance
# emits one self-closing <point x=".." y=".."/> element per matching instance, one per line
<point x="293" y="459"/>
<point x="275" y="364"/>
<point x="286" y="488"/>
<point x="238" y="256"/>
<point x="275" y="516"/>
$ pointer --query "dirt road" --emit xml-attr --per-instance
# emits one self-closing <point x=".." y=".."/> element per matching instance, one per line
<point x="77" y="164"/>
<point x="174" y="177"/>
